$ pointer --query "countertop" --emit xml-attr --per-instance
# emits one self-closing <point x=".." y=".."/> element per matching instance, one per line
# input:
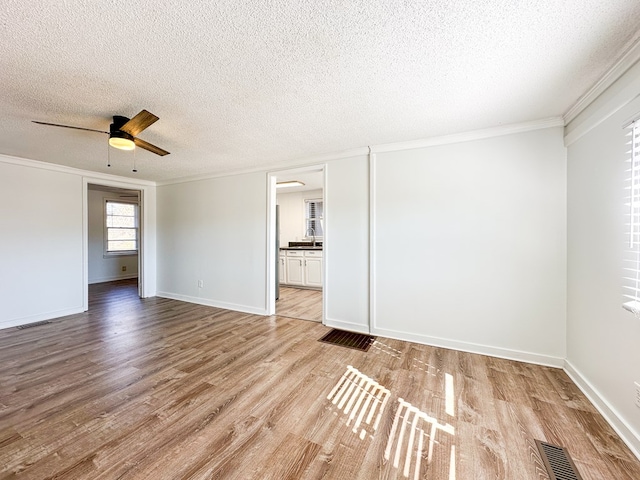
<point x="303" y="245"/>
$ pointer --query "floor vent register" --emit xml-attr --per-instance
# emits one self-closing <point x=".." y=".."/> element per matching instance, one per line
<point x="557" y="462"/>
<point x="357" y="341"/>
<point x="34" y="324"/>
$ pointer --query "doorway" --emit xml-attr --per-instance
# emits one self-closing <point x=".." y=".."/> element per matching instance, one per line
<point x="113" y="239"/>
<point x="297" y="243"/>
<point x="304" y="304"/>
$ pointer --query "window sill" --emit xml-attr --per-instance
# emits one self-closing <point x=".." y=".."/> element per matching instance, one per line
<point x="128" y="253"/>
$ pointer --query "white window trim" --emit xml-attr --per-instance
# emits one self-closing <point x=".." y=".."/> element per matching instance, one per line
<point x="105" y="243"/>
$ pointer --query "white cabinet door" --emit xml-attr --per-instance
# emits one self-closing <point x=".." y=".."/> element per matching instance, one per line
<point x="282" y="269"/>
<point x="295" y="270"/>
<point x="303" y="267"/>
<point x="313" y="271"/>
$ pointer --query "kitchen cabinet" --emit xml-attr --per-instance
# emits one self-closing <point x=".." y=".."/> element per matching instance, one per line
<point x="303" y="268"/>
<point x="282" y="268"/>
<point x="295" y="267"/>
<point x="313" y="268"/>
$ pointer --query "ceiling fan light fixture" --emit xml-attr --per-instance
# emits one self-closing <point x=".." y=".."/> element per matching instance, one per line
<point x="121" y="140"/>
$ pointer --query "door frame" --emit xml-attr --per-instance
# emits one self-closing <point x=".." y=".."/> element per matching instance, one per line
<point x="272" y="178"/>
<point x="145" y="267"/>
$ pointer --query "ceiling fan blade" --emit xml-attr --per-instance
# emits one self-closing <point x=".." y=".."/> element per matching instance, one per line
<point x="69" y="126"/>
<point x="150" y="147"/>
<point x="139" y="123"/>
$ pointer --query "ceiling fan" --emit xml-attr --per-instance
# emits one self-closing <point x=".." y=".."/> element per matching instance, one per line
<point x="122" y="132"/>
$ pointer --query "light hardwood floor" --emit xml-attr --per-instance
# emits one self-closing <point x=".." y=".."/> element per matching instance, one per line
<point x="160" y="389"/>
<point x="304" y="304"/>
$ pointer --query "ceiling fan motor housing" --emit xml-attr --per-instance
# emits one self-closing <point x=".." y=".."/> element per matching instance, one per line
<point x="118" y="138"/>
<point x="114" y="128"/>
<point x="118" y="122"/>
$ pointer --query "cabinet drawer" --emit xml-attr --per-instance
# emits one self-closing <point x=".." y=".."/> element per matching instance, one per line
<point x="313" y="253"/>
<point x="295" y="253"/>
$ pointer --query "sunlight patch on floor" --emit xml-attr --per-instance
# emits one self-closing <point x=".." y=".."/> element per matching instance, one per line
<point x="449" y="395"/>
<point x="418" y="443"/>
<point x="410" y="430"/>
<point x="359" y="397"/>
<point x="381" y="347"/>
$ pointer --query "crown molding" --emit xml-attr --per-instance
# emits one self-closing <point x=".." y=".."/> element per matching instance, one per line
<point x="73" y="171"/>
<point x="627" y="59"/>
<point x="289" y="164"/>
<point x="471" y="135"/>
<point x="387" y="147"/>
<point x="308" y="161"/>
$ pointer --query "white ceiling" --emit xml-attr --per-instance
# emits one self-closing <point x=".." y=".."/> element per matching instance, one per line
<point x="243" y="85"/>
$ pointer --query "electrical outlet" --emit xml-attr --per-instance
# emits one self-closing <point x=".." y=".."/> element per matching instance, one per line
<point x="200" y="283"/>
<point x="124" y="268"/>
<point x="637" y="394"/>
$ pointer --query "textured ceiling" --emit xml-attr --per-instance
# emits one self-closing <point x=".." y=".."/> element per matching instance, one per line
<point x="240" y="85"/>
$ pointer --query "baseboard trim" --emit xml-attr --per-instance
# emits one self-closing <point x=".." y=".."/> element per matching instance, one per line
<point x="213" y="303"/>
<point x="14" y="322"/>
<point x="348" y="326"/>
<point x="112" y="279"/>
<point x="517" y="355"/>
<point x="628" y="435"/>
<point x="301" y="287"/>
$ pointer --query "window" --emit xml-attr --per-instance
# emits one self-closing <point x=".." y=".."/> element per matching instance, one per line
<point x="313" y="218"/>
<point x="632" y="258"/>
<point x="121" y="228"/>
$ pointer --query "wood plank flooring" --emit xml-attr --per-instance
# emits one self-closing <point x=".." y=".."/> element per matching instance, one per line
<point x="160" y="389"/>
<point x="301" y="303"/>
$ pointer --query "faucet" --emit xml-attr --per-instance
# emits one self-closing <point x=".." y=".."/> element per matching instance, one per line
<point x="313" y="233"/>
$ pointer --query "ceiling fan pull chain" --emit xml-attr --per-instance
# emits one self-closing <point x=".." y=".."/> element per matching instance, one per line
<point x="134" y="160"/>
<point x="108" y="155"/>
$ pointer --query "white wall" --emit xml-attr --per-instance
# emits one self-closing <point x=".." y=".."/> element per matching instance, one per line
<point x="41" y="244"/>
<point x="214" y="230"/>
<point x="292" y="214"/>
<point x="346" y="246"/>
<point x="44" y="257"/>
<point x="603" y="353"/>
<point x="470" y="243"/>
<point x="103" y="269"/>
<point x="149" y="274"/>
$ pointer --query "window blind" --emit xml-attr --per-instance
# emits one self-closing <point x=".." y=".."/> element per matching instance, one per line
<point x="631" y="279"/>
<point x="313" y="214"/>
